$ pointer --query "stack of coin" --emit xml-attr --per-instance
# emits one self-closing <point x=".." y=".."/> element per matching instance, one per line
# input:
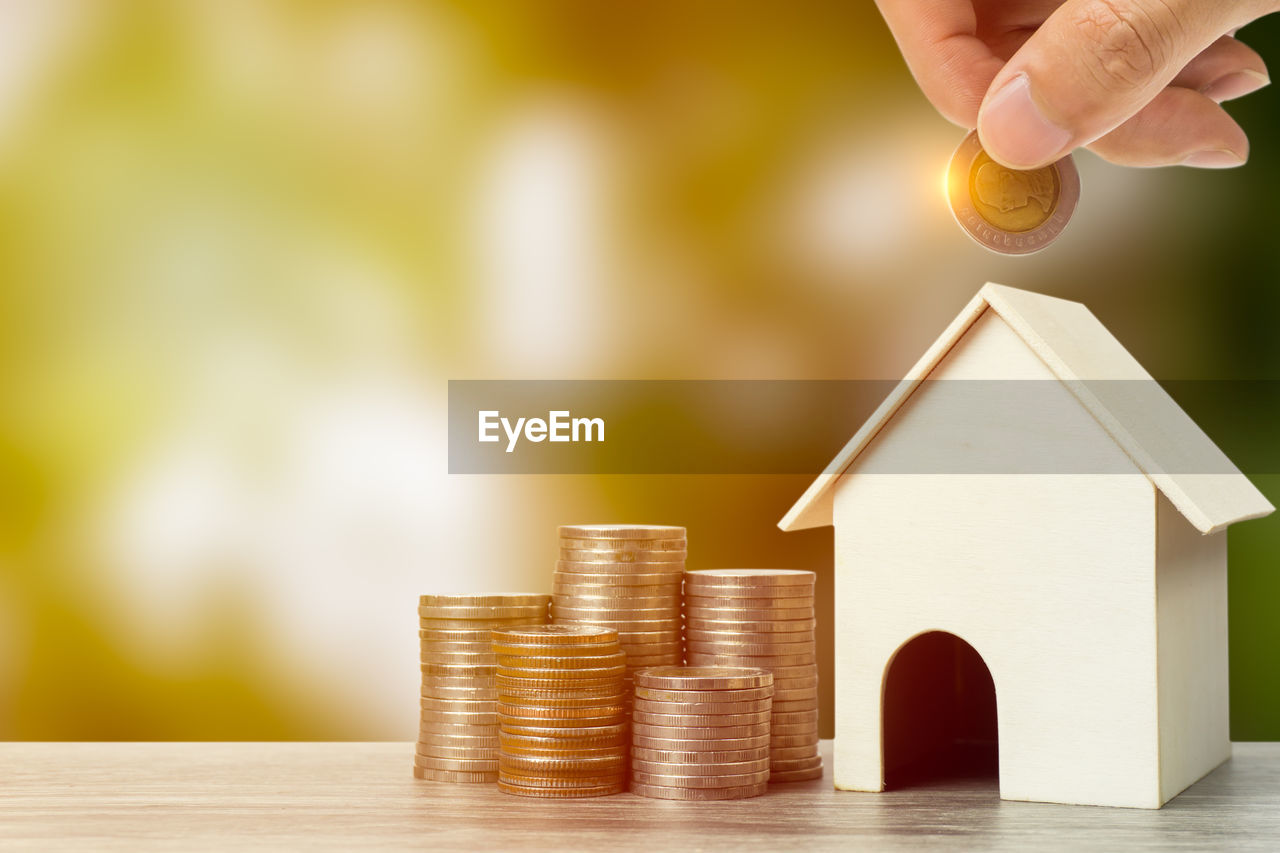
<point x="562" y="724"/>
<point x="701" y="732"/>
<point x="763" y="618"/>
<point x="458" y="730"/>
<point x="626" y="577"/>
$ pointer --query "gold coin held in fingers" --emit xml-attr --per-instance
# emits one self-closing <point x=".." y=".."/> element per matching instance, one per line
<point x="1006" y="210"/>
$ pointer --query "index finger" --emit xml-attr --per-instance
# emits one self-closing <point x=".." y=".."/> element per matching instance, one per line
<point x="938" y="39"/>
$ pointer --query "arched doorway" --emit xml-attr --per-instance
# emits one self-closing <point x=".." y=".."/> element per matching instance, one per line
<point x="939" y="707"/>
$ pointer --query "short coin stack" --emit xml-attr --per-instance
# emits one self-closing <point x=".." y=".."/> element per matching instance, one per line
<point x="701" y="732"/>
<point x="458" y="729"/>
<point x="626" y="577"/>
<point x="562" y="725"/>
<point x="763" y="618"/>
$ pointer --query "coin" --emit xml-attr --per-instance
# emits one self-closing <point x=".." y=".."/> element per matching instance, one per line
<point x="621" y="531"/>
<point x="588" y="670"/>
<point x="668" y="780"/>
<point x="517" y="742"/>
<point x="664" y="579"/>
<point x="618" y="595"/>
<point x="695" y="599"/>
<point x="441" y="751"/>
<point x="697" y="658"/>
<point x="660" y="731"/>
<point x="431" y="729"/>
<point x="673" y="571"/>
<point x="465" y="764"/>
<point x="666" y="603"/>
<point x="795" y="775"/>
<point x="703" y="678"/>
<point x="670" y="657"/>
<point x="561" y="793"/>
<point x="498" y="599"/>
<point x="484" y="658"/>
<point x="621" y="597"/>
<point x="621" y="609"/>
<point x="430" y="623"/>
<point x="750" y="614"/>
<point x="554" y="635"/>
<point x="761" y="625"/>
<point x="700" y="720"/>
<point x="629" y="629"/>
<point x="685" y="768"/>
<point x="785" y="753"/>
<point x="559" y="662"/>
<point x="662" y="695"/>
<point x="562" y="726"/>
<point x="459" y="670"/>
<point x="540" y="725"/>
<point x="583" y="705"/>
<point x="663" y="792"/>
<point x="750" y="649"/>
<point x="434" y="775"/>
<point x="536" y="703"/>
<point x="749" y="706"/>
<point x="624" y="544"/>
<point x="672" y="756"/>
<point x="565" y="733"/>
<point x="797" y="764"/>
<point x="782" y="706"/>
<point x="552" y="694"/>
<point x="560" y="650"/>
<point x="541" y="764"/>
<point x="465" y="636"/>
<point x="1006" y="210"/>
<point x="681" y="742"/>
<point x="752" y="577"/>
<point x="562" y="782"/>
<point x="609" y="555"/>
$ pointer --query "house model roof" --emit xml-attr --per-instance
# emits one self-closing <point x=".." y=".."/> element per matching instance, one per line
<point x="1163" y="442"/>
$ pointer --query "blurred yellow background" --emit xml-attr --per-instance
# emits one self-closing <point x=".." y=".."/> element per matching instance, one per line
<point x="245" y="243"/>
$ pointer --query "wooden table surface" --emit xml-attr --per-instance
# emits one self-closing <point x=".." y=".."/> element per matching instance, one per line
<point x="357" y="796"/>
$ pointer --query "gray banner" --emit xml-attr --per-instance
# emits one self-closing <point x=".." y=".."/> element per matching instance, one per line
<point x="797" y="427"/>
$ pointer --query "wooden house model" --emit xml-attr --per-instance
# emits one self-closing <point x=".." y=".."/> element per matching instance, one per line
<point x="1031" y="495"/>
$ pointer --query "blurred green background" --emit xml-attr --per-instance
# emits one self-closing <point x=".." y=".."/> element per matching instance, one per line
<point x="245" y="243"/>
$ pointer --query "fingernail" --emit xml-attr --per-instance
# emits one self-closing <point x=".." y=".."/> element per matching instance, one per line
<point x="1015" y="132"/>
<point x="1214" y="158"/>
<point x="1237" y="84"/>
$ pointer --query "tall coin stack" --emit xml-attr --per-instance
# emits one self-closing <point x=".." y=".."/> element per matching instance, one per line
<point x="626" y="577"/>
<point x="763" y="618"/>
<point x="562" y="724"/>
<point x="458" y="729"/>
<point x="701" y="732"/>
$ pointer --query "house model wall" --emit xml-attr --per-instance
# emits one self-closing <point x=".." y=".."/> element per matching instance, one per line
<point x="1029" y="489"/>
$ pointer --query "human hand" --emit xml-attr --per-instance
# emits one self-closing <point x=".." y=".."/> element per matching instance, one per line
<point x="1138" y="82"/>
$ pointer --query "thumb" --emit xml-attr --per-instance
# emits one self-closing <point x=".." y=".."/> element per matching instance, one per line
<point x="1090" y="66"/>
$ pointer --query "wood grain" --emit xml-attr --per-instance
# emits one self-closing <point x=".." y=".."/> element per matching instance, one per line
<point x="360" y="796"/>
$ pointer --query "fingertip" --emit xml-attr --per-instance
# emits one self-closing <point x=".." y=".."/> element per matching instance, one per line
<point x="1215" y="158"/>
<point x="1015" y="132"/>
<point x="1235" y="84"/>
<point x="1179" y="127"/>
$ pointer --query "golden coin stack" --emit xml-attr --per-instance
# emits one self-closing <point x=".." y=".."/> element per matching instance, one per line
<point x="701" y="732"/>
<point x="562" y="724"/>
<point x="458" y="729"/>
<point x="626" y="577"/>
<point x="763" y="618"/>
